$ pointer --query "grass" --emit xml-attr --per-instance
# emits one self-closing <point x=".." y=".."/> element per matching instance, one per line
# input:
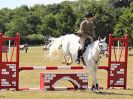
<point x="37" y="57"/>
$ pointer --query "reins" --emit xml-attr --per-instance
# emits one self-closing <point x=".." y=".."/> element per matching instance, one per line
<point x="96" y="61"/>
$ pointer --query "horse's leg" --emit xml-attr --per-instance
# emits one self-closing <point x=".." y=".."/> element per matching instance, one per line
<point x="92" y="71"/>
<point x="70" y="60"/>
<point x="95" y="70"/>
<point x="65" y="60"/>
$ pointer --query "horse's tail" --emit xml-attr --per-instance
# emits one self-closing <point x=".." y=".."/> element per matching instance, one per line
<point x="54" y="49"/>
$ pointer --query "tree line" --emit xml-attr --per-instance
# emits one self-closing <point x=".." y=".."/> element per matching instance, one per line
<point x="38" y="22"/>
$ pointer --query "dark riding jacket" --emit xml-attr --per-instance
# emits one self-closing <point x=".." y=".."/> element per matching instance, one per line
<point x="87" y="28"/>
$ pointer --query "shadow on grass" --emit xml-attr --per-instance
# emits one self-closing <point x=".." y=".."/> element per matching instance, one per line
<point x="2" y="96"/>
<point x="113" y="93"/>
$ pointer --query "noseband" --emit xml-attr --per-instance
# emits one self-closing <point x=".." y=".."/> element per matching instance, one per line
<point x="101" y="50"/>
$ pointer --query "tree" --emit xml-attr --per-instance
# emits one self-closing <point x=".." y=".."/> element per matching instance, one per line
<point x="119" y="3"/>
<point x="33" y="22"/>
<point x="18" y="25"/>
<point x="48" y="26"/>
<point x="66" y="19"/>
<point x="4" y="19"/>
<point x="35" y="39"/>
<point x="125" y="23"/>
<point x="104" y="18"/>
<point x="38" y="10"/>
<point x="53" y="9"/>
<point x="2" y="26"/>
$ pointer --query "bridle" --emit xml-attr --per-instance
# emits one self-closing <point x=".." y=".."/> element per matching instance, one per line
<point x="101" y="50"/>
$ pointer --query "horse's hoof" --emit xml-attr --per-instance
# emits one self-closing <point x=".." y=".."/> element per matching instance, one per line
<point x="93" y="87"/>
<point x="67" y="64"/>
<point x="63" y="62"/>
<point x="97" y="87"/>
<point x="77" y="61"/>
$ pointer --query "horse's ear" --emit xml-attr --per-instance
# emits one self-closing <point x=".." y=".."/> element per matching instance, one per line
<point x="99" y="38"/>
<point x="104" y="39"/>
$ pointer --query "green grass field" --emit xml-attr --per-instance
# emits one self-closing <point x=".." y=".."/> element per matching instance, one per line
<point x="36" y="57"/>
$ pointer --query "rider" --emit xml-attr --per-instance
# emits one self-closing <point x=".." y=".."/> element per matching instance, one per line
<point x="86" y="31"/>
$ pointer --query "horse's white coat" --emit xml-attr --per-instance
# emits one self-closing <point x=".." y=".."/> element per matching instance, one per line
<point x="69" y="45"/>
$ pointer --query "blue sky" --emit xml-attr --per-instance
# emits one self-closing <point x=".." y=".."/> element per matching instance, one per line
<point x="17" y="3"/>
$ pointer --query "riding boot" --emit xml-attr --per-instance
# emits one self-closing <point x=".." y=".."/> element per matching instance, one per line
<point x="78" y="56"/>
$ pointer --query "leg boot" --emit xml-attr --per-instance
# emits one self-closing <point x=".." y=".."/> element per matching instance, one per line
<point x="78" y="56"/>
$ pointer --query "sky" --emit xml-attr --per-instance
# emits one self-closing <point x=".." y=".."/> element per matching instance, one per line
<point x="17" y="3"/>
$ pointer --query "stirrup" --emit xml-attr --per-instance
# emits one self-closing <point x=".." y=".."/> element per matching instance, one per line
<point x="77" y="61"/>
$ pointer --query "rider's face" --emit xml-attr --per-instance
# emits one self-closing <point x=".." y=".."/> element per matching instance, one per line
<point x="90" y="18"/>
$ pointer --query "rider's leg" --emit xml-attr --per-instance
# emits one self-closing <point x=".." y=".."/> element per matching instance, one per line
<point x="78" y="56"/>
<point x="80" y="50"/>
<point x="90" y="38"/>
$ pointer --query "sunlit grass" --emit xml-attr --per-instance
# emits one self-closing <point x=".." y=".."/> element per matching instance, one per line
<point x="36" y="57"/>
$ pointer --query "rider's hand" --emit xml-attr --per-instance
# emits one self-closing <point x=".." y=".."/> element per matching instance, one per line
<point x="76" y="33"/>
<point x="79" y="34"/>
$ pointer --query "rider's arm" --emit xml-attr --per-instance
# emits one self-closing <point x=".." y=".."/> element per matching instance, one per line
<point x="83" y="27"/>
<point x="93" y="31"/>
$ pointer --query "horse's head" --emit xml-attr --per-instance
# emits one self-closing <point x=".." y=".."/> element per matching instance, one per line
<point x="103" y="46"/>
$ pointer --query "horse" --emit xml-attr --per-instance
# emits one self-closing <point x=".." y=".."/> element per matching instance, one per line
<point x="21" y="47"/>
<point x="69" y="45"/>
<point x="24" y="47"/>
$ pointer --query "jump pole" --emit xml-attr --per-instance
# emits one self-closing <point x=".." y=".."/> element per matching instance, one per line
<point x="57" y="68"/>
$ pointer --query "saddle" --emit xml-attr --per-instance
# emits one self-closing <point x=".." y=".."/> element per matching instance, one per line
<point x="87" y="42"/>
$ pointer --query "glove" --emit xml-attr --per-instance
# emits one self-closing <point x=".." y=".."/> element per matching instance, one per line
<point x="79" y="34"/>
